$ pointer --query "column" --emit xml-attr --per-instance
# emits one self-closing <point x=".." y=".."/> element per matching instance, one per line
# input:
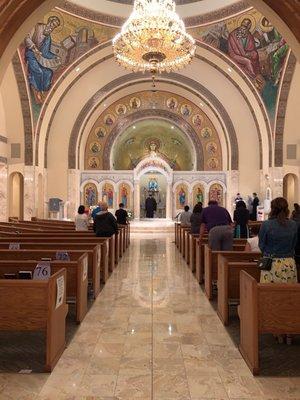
<point x="136" y="200"/>
<point x="169" y="201"/>
<point x="73" y="200"/>
<point x="3" y="192"/>
<point x="29" y="192"/>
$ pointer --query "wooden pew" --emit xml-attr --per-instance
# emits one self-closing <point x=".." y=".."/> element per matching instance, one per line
<point x="76" y="283"/>
<point x="229" y="281"/>
<point x="29" y="305"/>
<point x="72" y="239"/>
<point x="192" y="251"/>
<point x="187" y="245"/>
<point x="183" y="233"/>
<point x="176" y="230"/>
<point x="37" y="251"/>
<point x="199" y="272"/>
<point x="265" y="308"/>
<point x="211" y="264"/>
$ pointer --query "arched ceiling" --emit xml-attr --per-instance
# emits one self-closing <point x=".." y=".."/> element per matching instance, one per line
<point x="156" y="137"/>
<point x="17" y="16"/>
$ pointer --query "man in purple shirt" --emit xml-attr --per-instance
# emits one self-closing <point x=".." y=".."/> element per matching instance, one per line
<point x="217" y="221"/>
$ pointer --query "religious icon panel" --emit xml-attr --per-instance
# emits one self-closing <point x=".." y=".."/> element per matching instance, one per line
<point x="181" y="196"/>
<point x="198" y="194"/>
<point x="216" y="193"/>
<point x="90" y="195"/>
<point x="125" y="195"/>
<point x="108" y="194"/>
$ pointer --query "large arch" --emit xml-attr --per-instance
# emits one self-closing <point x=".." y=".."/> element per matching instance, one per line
<point x="18" y="16"/>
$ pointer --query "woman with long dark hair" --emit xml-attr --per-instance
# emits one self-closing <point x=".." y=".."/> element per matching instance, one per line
<point x="196" y="218"/>
<point x="277" y="239"/>
<point x="241" y="217"/>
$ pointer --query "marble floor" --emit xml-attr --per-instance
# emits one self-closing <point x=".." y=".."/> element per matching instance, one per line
<point x="151" y="334"/>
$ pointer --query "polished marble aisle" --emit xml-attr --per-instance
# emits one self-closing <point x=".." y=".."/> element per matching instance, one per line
<point x="150" y="335"/>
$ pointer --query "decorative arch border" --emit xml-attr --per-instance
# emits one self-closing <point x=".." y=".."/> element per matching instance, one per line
<point x="119" y="183"/>
<point x="183" y="125"/>
<point x="142" y="168"/>
<point x="132" y="79"/>
<point x="26" y="109"/>
<point x="216" y="181"/>
<point x="198" y="182"/>
<point x="91" y="103"/>
<point x="87" y="181"/>
<point x="282" y="107"/>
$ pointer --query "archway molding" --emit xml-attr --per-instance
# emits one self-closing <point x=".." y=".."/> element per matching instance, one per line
<point x="165" y="115"/>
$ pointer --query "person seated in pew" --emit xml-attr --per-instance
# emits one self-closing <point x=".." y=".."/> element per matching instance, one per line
<point x="105" y="224"/>
<point x="278" y="239"/>
<point x="196" y="218"/>
<point x="241" y="217"/>
<point x="217" y="221"/>
<point x="297" y="248"/>
<point x="296" y="213"/>
<point x="96" y="210"/>
<point x="252" y="242"/>
<point x="185" y="217"/>
<point x="121" y="215"/>
<point x="81" y="220"/>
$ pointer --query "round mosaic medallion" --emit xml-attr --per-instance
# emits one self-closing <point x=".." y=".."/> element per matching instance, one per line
<point x="186" y="110"/>
<point x="100" y="132"/>
<point x="95" y="147"/>
<point x="109" y="119"/>
<point x="206" y="133"/>
<point x="121" y="109"/>
<point x="94" y="162"/>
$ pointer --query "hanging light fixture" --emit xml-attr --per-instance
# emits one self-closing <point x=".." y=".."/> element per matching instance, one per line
<point x="154" y="39"/>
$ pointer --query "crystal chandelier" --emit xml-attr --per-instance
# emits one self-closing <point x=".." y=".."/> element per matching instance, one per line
<point x="154" y="39"/>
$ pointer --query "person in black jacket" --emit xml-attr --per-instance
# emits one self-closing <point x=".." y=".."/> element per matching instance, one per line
<point x="105" y="224"/>
<point x="241" y="217"/>
<point x="122" y="215"/>
<point x="255" y="204"/>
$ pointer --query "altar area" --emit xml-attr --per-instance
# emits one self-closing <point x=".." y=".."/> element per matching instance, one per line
<point x="171" y="189"/>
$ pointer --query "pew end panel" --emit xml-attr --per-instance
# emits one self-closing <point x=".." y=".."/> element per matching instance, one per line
<point x="30" y="305"/>
<point x="229" y="282"/>
<point x="248" y="313"/>
<point x="56" y="326"/>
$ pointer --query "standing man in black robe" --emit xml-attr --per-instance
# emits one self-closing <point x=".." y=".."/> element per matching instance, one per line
<point x="255" y="204"/>
<point x="150" y="206"/>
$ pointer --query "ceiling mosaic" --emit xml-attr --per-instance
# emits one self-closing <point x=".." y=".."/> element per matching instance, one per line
<point x="57" y="41"/>
<point x="153" y="137"/>
<point x="253" y="44"/>
<point x="52" y="46"/>
<point x="98" y="143"/>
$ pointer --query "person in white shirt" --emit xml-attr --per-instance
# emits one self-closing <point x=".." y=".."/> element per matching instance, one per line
<point x="252" y="243"/>
<point x="81" y="220"/>
<point x="185" y="217"/>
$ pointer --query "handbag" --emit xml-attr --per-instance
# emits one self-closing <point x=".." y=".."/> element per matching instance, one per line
<point x="265" y="263"/>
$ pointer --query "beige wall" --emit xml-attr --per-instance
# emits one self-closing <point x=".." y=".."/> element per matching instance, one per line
<point x="292" y="125"/>
<point x="292" y="131"/>
<point x="13" y="113"/>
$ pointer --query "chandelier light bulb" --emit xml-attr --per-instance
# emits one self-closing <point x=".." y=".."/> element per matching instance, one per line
<point x="153" y="39"/>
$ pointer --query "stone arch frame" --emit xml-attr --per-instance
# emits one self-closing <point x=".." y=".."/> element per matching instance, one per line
<point x="166" y="171"/>
<point x="173" y="79"/>
<point x="180" y="80"/>
<point x="140" y="115"/>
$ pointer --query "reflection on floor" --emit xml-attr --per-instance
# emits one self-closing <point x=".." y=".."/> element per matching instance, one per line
<point x="150" y="335"/>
